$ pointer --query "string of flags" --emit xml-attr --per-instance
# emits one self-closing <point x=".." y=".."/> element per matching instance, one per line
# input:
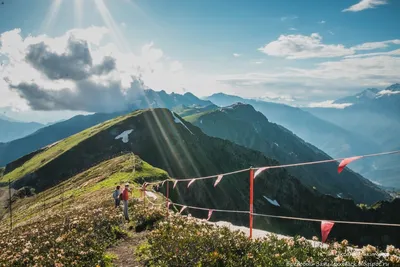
<point x="326" y="226"/>
<point x="343" y="163"/>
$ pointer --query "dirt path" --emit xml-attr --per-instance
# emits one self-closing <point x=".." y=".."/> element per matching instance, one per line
<point x="125" y="250"/>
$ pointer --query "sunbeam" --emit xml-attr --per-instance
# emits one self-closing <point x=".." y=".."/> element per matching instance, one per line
<point x="110" y="23"/>
<point x="51" y="14"/>
<point x="78" y="12"/>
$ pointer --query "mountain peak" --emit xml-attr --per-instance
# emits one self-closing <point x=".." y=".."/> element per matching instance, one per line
<point x="394" y="87"/>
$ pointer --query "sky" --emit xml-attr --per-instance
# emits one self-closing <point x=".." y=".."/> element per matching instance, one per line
<point x="65" y="57"/>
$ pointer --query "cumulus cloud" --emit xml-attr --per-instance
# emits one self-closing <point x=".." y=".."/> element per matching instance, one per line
<point x="76" y="71"/>
<point x="365" y="4"/>
<point x="376" y="45"/>
<point x="297" y="46"/>
<point x="389" y="53"/>
<point x="236" y="55"/>
<point x="302" y="46"/>
<point x="322" y="22"/>
<point x="328" y="104"/>
<point x="74" y="63"/>
<point x="326" y="80"/>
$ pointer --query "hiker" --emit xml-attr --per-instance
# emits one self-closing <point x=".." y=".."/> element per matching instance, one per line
<point x="125" y="197"/>
<point x="116" y="196"/>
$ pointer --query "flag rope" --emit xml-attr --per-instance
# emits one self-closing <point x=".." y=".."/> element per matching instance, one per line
<point x="274" y="167"/>
<point x="288" y="217"/>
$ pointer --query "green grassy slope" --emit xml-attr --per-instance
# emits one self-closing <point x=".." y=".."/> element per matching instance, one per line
<point x="99" y="181"/>
<point x="59" y="148"/>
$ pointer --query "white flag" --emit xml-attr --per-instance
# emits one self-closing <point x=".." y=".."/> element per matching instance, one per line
<point x="182" y="209"/>
<point x="210" y="212"/>
<point x="218" y="180"/>
<point x="260" y="170"/>
<point x="191" y="182"/>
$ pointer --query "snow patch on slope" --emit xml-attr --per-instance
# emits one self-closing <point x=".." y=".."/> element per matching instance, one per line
<point x="177" y="120"/>
<point x="273" y="202"/>
<point x="124" y="136"/>
<point x="387" y="92"/>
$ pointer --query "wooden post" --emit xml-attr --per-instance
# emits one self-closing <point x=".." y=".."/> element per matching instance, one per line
<point x="167" y="194"/>
<point x="144" y="195"/>
<point x="10" y="203"/>
<point x="251" y="202"/>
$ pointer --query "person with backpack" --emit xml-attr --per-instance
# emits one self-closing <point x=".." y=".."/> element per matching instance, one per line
<point x="116" y="196"/>
<point x="125" y="198"/>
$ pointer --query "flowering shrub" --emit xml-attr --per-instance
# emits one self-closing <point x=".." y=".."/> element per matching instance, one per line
<point x="181" y="241"/>
<point x="145" y="219"/>
<point x="78" y="238"/>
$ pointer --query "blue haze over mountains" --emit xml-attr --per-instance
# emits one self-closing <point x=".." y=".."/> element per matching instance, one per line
<point x="369" y="125"/>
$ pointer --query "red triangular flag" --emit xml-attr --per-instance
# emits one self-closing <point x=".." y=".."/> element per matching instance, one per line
<point x="210" y="212"/>
<point x="218" y="180"/>
<point x="346" y="161"/>
<point x="325" y="229"/>
<point x="176" y="181"/>
<point x="191" y="182"/>
<point x="182" y="209"/>
<point x="260" y="170"/>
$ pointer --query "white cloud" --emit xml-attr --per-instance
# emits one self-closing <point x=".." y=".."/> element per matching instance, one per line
<point x="328" y="104"/>
<point x="297" y="46"/>
<point x="331" y="33"/>
<point x="302" y="46"/>
<point x="326" y="80"/>
<point x="289" y="18"/>
<point x="236" y="55"/>
<point x="77" y="72"/>
<point x="376" y="45"/>
<point x="322" y="22"/>
<point x="176" y="66"/>
<point x="365" y="4"/>
<point x="292" y="29"/>
<point x="389" y="53"/>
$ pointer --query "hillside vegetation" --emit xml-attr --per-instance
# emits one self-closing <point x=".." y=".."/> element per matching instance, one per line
<point x="78" y="225"/>
<point x="165" y="141"/>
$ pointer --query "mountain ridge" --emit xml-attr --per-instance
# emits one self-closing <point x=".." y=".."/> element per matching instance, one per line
<point x="243" y="125"/>
<point x="166" y="141"/>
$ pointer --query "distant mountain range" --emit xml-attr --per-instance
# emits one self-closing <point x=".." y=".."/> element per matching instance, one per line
<point x="12" y="129"/>
<point x="327" y="136"/>
<point x="243" y="125"/>
<point x="372" y="95"/>
<point x="338" y="132"/>
<point x="373" y="115"/>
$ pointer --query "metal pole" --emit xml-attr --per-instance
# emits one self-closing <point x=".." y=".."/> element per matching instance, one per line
<point x="251" y="202"/>
<point x="10" y="203"/>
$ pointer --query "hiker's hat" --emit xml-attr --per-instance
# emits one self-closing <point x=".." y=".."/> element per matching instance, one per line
<point x="127" y="184"/>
